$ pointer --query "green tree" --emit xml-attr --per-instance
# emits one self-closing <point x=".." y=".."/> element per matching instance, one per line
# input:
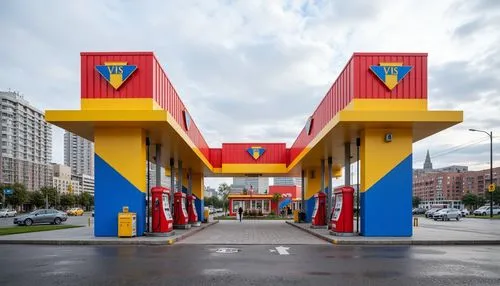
<point x="37" y="199"/>
<point x="276" y="198"/>
<point x="223" y="191"/>
<point x="416" y="201"/>
<point x="470" y="200"/>
<point x="85" y="200"/>
<point x="50" y="194"/>
<point x="68" y="200"/>
<point x="19" y="196"/>
<point x="244" y="191"/>
<point x="496" y="195"/>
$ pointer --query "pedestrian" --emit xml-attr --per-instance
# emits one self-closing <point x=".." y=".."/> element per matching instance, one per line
<point x="240" y="212"/>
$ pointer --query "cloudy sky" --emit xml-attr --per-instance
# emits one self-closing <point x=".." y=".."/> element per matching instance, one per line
<point x="255" y="70"/>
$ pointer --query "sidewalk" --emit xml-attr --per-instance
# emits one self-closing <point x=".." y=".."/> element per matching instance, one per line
<point x="467" y="231"/>
<point x="85" y="236"/>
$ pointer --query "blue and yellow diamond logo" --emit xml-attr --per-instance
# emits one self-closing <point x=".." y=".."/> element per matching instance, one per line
<point x="116" y="73"/>
<point x="256" y="152"/>
<point x="391" y="73"/>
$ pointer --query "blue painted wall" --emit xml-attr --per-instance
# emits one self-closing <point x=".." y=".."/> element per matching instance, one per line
<point x="200" y="206"/>
<point x="386" y="206"/>
<point x="112" y="192"/>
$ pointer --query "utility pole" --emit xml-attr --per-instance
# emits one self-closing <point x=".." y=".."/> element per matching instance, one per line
<point x="490" y="134"/>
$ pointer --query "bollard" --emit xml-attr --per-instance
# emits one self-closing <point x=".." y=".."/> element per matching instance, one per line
<point x="89" y="221"/>
<point x="415" y="221"/>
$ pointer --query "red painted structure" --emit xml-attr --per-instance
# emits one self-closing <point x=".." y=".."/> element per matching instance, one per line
<point x="192" y="214"/>
<point x="180" y="213"/>
<point x="356" y="81"/>
<point x="319" y="213"/>
<point x="342" y="212"/>
<point x="293" y="192"/>
<point x="162" y="221"/>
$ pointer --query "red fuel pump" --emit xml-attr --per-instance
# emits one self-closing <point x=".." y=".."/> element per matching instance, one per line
<point x="180" y="213"/>
<point x="192" y="214"/>
<point x="162" y="221"/>
<point x="342" y="211"/>
<point x="319" y="214"/>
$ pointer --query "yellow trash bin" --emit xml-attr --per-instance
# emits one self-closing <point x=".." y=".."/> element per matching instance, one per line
<point x="127" y="223"/>
<point x="296" y="215"/>
<point x="206" y="214"/>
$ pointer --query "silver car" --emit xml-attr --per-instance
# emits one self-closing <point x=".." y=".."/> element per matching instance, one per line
<point x="447" y="214"/>
<point x="51" y="216"/>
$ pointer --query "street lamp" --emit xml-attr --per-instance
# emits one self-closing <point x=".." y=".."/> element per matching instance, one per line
<point x="491" y="165"/>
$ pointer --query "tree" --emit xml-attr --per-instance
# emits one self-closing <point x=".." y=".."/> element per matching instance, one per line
<point x="470" y="200"/>
<point x="50" y="194"/>
<point x="276" y="198"/>
<point x="496" y="195"/>
<point x="245" y="191"/>
<point x="37" y="199"/>
<point x="19" y="196"/>
<point x="85" y="200"/>
<point x="68" y="200"/>
<point x="223" y="191"/>
<point x="416" y="201"/>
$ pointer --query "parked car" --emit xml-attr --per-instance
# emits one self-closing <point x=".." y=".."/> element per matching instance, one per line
<point x="75" y="211"/>
<point x="7" y="213"/>
<point x="418" y="211"/>
<point x="430" y="212"/>
<point x="485" y="210"/>
<point x="51" y="216"/>
<point x="465" y="212"/>
<point x="447" y="214"/>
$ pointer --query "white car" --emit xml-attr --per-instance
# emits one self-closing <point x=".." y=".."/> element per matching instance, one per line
<point x="484" y="210"/>
<point x="7" y="213"/>
<point x="465" y="212"/>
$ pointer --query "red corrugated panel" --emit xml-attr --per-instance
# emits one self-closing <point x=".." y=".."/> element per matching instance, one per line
<point x="216" y="157"/>
<point x="236" y="153"/>
<point x="337" y="97"/>
<point x="293" y="190"/>
<point x="165" y="95"/>
<point x="368" y="85"/>
<point x="138" y="85"/>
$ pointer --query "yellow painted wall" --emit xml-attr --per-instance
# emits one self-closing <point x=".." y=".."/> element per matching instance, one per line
<point x="124" y="149"/>
<point x="379" y="157"/>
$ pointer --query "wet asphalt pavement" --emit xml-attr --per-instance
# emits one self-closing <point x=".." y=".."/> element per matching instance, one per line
<point x="251" y="265"/>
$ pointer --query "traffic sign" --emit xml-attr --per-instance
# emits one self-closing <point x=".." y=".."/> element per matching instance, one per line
<point x="8" y="192"/>
<point x="491" y="188"/>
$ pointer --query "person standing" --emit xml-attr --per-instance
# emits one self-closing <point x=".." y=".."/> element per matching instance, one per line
<point x="240" y="212"/>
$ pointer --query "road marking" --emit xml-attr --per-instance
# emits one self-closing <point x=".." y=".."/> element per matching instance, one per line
<point x="281" y="250"/>
<point x="226" y="250"/>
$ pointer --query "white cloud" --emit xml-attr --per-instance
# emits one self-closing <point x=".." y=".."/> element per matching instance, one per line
<point x="251" y="70"/>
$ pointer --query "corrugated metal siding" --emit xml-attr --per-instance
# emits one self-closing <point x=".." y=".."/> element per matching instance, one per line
<point x="413" y="85"/>
<point x="338" y="96"/>
<point x="138" y="85"/>
<point x="216" y="157"/>
<point x="165" y="95"/>
<point x="236" y="153"/>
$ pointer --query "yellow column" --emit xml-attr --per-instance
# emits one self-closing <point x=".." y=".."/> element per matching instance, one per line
<point x="386" y="182"/>
<point x="198" y="191"/>
<point x="312" y="187"/>
<point x="120" y="177"/>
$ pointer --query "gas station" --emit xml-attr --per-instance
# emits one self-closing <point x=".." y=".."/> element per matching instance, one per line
<point x="373" y="113"/>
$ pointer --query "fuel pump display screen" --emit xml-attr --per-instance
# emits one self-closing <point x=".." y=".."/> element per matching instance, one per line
<point x="166" y="205"/>
<point x="338" y="206"/>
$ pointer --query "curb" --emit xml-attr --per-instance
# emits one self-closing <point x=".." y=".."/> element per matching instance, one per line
<point x="108" y="242"/>
<point x="396" y="242"/>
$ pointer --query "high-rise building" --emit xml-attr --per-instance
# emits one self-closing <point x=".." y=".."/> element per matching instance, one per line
<point x="287" y="181"/>
<point x="78" y="154"/>
<point x="260" y="185"/>
<point x="64" y="182"/>
<point x="26" y="143"/>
